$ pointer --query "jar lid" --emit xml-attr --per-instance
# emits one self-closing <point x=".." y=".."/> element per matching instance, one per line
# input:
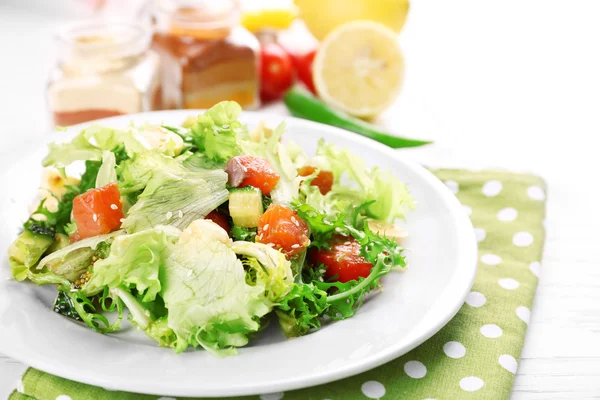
<point x="199" y="14"/>
<point x="92" y="40"/>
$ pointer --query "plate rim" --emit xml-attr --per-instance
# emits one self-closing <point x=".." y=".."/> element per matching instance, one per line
<point x="468" y="256"/>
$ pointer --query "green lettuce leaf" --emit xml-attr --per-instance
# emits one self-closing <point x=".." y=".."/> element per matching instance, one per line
<point x="271" y="269"/>
<point x="209" y="302"/>
<point x="301" y="309"/>
<point x="356" y="184"/>
<point x="215" y="132"/>
<point x="172" y="194"/>
<point x="134" y="261"/>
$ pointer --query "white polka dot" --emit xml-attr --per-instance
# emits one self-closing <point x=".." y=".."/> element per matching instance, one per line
<point x="166" y="398"/>
<point x="491" y="259"/>
<point x="475" y="299"/>
<point x="491" y="331"/>
<point x="455" y="349"/>
<point x="534" y="267"/>
<point x="536" y="193"/>
<point x="508" y="362"/>
<point x="492" y="188"/>
<point x="522" y="239"/>
<point x="479" y="234"/>
<point x="415" y="369"/>
<point x="468" y="210"/>
<point x="64" y="397"/>
<point x="271" y="396"/>
<point x="452" y="185"/>
<point x="524" y="313"/>
<point x="507" y="214"/>
<point x="471" y="383"/>
<point x="508" y="283"/>
<point x="373" y="389"/>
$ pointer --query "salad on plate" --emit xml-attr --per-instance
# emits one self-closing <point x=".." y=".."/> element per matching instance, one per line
<point x="207" y="231"/>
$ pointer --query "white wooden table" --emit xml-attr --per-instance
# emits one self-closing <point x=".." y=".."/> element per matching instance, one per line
<point x="513" y="84"/>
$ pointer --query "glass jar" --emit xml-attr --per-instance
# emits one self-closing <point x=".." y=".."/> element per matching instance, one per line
<point x="206" y="56"/>
<point x="105" y="69"/>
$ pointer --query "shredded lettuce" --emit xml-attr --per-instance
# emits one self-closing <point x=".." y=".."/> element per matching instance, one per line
<point x="106" y="172"/>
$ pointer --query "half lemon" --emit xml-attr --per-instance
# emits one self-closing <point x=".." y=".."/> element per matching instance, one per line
<point x="359" y="68"/>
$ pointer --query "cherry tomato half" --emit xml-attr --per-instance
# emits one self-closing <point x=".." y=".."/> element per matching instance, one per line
<point x="277" y="72"/>
<point x="219" y="219"/>
<point x="342" y="259"/>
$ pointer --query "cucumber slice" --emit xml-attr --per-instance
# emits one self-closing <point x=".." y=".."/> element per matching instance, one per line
<point x="245" y="206"/>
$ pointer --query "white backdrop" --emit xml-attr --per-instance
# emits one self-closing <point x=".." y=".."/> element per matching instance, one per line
<point x="512" y="84"/>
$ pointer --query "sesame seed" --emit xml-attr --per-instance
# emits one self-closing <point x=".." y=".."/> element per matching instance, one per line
<point x="114" y="207"/>
<point x="169" y="215"/>
<point x="321" y="278"/>
<point x="347" y="243"/>
<point x="348" y="301"/>
<point x="295" y="246"/>
<point x="295" y="221"/>
<point x="321" y="271"/>
<point x="122" y="220"/>
<point x="95" y="217"/>
<point x="265" y="227"/>
<point x="180" y="213"/>
<point x="327" y="222"/>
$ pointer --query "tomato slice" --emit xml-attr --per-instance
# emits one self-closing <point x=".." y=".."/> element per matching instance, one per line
<point x="97" y="211"/>
<point x="342" y="259"/>
<point x="251" y="171"/>
<point x="281" y="226"/>
<point x="219" y="219"/>
<point x="324" y="180"/>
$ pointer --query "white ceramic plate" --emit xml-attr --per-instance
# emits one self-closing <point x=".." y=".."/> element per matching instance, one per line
<point x="412" y="307"/>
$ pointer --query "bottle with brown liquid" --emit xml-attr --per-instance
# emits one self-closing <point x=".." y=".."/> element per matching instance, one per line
<point x="105" y="69"/>
<point x="206" y="56"/>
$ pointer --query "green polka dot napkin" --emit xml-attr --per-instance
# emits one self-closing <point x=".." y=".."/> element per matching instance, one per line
<point x="476" y="355"/>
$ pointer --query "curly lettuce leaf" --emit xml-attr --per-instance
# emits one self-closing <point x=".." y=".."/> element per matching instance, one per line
<point x="271" y="269"/>
<point x="301" y="309"/>
<point x="134" y="261"/>
<point x="356" y="184"/>
<point x="215" y="132"/>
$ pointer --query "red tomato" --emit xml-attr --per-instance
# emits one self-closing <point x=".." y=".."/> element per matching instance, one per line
<point x="97" y="211"/>
<point x="304" y="69"/>
<point x="277" y="72"/>
<point x="324" y="180"/>
<point x="219" y="219"/>
<point x="281" y="226"/>
<point x="251" y="171"/>
<point x="343" y="259"/>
